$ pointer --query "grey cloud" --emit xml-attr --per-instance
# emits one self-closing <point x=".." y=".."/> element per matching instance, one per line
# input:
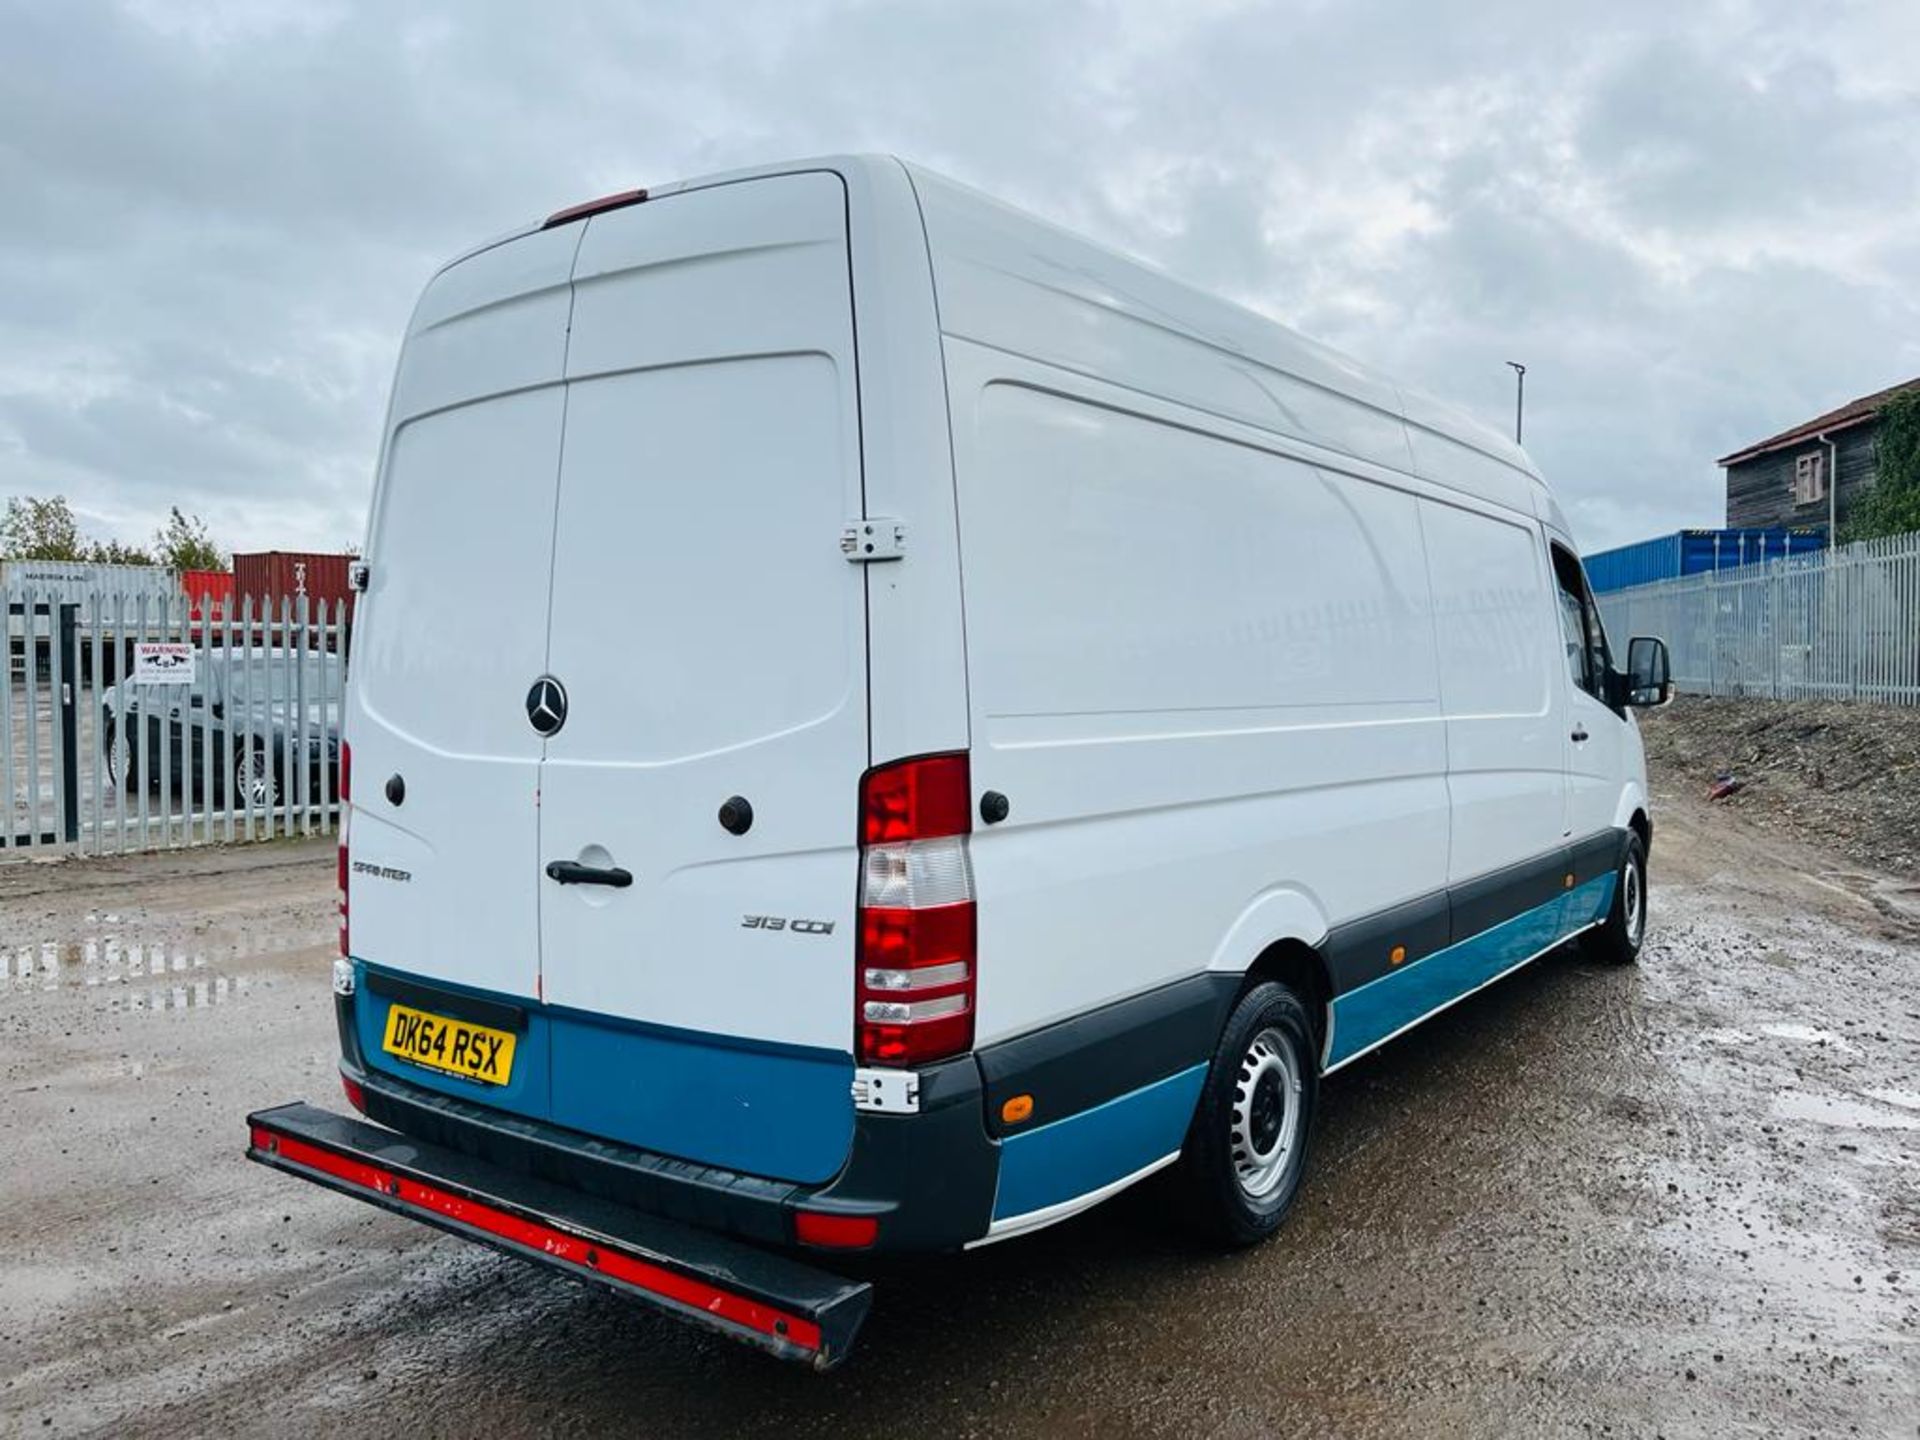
<point x="1695" y="224"/>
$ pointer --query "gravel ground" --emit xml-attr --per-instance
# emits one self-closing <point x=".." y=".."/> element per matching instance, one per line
<point x="1842" y="775"/>
<point x="1677" y="1199"/>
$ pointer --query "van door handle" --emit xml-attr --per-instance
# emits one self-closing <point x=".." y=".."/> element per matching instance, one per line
<point x="1579" y="734"/>
<point x="572" y="872"/>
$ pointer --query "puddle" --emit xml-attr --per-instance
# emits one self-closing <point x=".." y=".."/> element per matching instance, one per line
<point x="213" y="990"/>
<point x="136" y="975"/>
<point x="1851" y="1112"/>
<point x="97" y="960"/>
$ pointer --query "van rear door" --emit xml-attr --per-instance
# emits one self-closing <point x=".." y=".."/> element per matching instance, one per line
<point x="453" y="629"/>
<point x="710" y="637"/>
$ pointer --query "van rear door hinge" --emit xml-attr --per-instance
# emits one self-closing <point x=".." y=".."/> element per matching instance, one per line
<point x="864" y="541"/>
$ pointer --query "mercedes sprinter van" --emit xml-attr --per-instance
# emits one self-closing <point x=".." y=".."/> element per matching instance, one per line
<point x="876" y="724"/>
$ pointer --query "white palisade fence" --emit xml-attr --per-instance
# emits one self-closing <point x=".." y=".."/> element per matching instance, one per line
<point x="129" y="723"/>
<point x="1840" y="624"/>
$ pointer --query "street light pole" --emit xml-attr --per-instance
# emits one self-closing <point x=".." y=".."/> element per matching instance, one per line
<point x="1519" y="397"/>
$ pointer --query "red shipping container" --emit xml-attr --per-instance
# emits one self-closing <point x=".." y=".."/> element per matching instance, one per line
<point x="266" y="577"/>
<point x="206" y="591"/>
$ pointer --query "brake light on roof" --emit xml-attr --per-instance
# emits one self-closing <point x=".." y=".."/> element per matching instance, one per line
<point x="618" y="201"/>
<point x="916" y="981"/>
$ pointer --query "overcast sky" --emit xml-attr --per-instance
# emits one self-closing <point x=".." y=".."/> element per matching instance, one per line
<point x="1695" y="222"/>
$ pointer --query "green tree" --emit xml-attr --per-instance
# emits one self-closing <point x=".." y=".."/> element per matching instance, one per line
<point x="1891" y="505"/>
<point x="184" y="544"/>
<point x="36" y="529"/>
<point x="116" y="552"/>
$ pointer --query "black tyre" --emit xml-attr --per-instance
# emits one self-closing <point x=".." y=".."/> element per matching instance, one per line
<point x="1617" y="939"/>
<point x="1246" y="1151"/>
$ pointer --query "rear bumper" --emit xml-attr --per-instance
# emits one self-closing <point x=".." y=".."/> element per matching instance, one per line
<point x="928" y="1179"/>
<point x="771" y="1301"/>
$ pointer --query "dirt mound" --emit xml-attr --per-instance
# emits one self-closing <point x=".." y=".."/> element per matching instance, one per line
<point x="1844" y="775"/>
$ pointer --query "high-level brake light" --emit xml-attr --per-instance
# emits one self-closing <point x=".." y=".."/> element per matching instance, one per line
<point x="618" y="201"/>
<point x="916" y="982"/>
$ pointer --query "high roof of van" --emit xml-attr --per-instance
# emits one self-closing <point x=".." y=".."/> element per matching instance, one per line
<point x="1007" y="278"/>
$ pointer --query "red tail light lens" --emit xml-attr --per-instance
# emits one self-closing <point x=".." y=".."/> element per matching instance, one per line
<point x="356" y="1097"/>
<point x="341" y="881"/>
<point x="916" y="800"/>
<point x="346" y="772"/>
<point x="916" y="982"/>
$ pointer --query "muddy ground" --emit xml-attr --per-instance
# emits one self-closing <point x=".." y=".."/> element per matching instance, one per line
<point x="1823" y="772"/>
<point x="1679" y="1199"/>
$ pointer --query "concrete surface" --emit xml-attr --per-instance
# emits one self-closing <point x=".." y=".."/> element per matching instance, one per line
<point x="1679" y="1199"/>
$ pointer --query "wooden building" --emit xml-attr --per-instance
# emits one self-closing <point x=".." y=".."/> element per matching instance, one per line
<point x="1812" y="473"/>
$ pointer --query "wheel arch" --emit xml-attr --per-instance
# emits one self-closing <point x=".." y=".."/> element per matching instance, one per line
<point x="1278" y="937"/>
<point x="1301" y="968"/>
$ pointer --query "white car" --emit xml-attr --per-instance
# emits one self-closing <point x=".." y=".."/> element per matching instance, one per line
<point x="877" y="723"/>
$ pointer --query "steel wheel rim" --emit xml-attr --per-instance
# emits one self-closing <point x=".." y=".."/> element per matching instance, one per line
<point x="1266" y="1113"/>
<point x="117" y="748"/>
<point x="253" y="777"/>
<point x="1636" y="913"/>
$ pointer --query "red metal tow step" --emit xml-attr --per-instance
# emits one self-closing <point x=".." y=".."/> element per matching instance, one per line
<point x="777" y="1303"/>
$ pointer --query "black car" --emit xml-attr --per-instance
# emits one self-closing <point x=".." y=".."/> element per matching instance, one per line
<point x="280" y="710"/>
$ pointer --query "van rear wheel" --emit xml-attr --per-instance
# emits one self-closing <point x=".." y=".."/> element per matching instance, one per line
<point x="1246" y="1150"/>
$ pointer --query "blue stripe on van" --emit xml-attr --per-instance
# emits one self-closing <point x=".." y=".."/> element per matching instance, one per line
<point x="1364" y="1017"/>
<point x="1068" y="1158"/>
<point x="784" y="1112"/>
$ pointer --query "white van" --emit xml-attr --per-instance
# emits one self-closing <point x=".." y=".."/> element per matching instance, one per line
<point x="877" y="723"/>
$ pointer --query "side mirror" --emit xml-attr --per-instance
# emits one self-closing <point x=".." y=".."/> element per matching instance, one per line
<point x="1649" y="672"/>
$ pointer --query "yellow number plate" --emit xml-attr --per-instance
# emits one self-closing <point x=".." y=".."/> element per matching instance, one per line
<point x="455" y="1046"/>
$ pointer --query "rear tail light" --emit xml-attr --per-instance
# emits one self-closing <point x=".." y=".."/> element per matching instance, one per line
<point x="340" y="880"/>
<point x="356" y="1097"/>
<point x="346" y="794"/>
<point x="915" y="985"/>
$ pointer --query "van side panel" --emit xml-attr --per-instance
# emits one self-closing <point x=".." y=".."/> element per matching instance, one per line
<point x="1500" y="668"/>
<point x="1008" y="280"/>
<point x="1199" y="667"/>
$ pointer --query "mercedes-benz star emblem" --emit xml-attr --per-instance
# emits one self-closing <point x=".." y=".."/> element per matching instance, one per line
<point x="547" y="705"/>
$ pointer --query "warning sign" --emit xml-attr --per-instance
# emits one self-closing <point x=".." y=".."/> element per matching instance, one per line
<point x="162" y="664"/>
